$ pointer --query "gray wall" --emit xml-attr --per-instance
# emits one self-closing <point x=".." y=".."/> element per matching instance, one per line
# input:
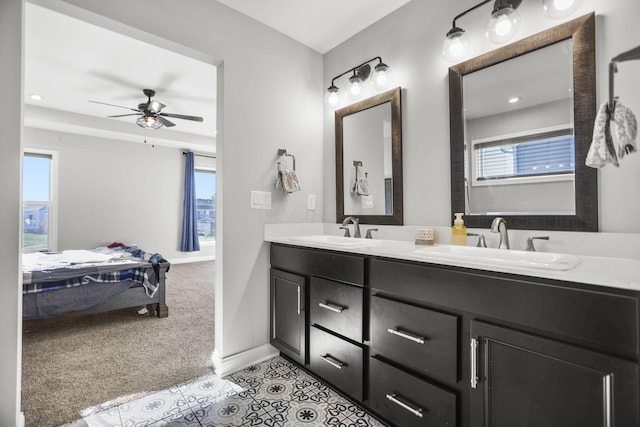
<point x="410" y="41"/>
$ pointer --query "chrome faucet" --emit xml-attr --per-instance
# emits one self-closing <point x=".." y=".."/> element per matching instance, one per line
<point x="356" y="226"/>
<point x="499" y="225"/>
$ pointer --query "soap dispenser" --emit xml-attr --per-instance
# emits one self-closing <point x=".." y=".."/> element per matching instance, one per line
<point x="459" y="231"/>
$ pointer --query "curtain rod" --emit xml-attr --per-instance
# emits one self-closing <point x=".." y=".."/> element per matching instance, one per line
<point x="199" y="155"/>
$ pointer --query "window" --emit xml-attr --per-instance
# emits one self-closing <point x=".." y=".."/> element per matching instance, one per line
<point x="38" y="196"/>
<point x="542" y="156"/>
<point x="206" y="204"/>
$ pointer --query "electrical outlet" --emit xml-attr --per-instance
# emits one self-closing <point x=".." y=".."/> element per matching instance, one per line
<point x="311" y="202"/>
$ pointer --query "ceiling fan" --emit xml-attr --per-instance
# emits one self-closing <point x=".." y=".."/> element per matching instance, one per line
<point x="150" y="112"/>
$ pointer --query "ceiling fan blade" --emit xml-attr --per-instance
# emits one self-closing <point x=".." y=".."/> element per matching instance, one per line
<point x="165" y="122"/>
<point x="113" y="105"/>
<point x="125" y="115"/>
<point x="181" y="116"/>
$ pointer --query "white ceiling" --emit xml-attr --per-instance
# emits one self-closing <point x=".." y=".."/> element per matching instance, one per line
<point x="321" y="25"/>
<point x="68" y="70"/>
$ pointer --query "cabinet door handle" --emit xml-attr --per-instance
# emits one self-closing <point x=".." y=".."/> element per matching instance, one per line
<point x="333" y="361"/>
<point x="407" y="335"/>
<point x="299" y="300"/>
<point x="474" y="363"/>
<point x="398" y="400"/>
<point x="332" y="307"/>
<point x="607" y="397"/>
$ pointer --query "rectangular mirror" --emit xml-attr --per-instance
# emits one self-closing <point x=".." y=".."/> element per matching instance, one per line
<point x="369" y="160"/>
<point x="521" y="125"/>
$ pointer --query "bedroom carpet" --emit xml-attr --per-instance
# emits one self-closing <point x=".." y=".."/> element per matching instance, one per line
<point x="74" y="362"/>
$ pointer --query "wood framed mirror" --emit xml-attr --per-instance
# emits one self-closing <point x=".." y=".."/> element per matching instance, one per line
<point x="369" y="160"/>
<point x="566" y="196"/>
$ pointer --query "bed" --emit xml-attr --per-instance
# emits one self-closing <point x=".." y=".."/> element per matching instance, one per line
<point x="93" y="281"/>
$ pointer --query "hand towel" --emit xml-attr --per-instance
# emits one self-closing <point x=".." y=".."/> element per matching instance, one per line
<point x="626" y="130"/>
<point x="602" y="149"/>
<point x="287" y="181"/>
<point x="360" y="185"/>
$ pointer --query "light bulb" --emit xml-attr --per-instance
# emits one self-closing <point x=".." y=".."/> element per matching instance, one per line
<point x="557" y="9"/>
<point x="503" y="25"/>
<point x="455" y="45"/>
<point x="355" y="87"/>
<point x="332" y="96"/>
<point x="381" y="76"/>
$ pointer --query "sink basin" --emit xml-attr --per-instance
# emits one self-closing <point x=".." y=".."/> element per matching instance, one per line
<point x="335" y="241"/>
<point x="501" y="257"/>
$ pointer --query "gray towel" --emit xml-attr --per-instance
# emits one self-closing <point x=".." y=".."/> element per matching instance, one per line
<point x="626" y="127"/>
<point x="287" y="181"/>
<point x="602" y="149"/>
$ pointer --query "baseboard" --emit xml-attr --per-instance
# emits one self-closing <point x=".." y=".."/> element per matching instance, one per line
<point x="192" y="259"/>
<point x="228" y="365"/>
<point x="21" y="420"/>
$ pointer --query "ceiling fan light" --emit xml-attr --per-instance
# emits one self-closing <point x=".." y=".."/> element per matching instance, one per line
<point x="557" y="9"/>
<point x="149" y="122"/>
<point x="504" y="24"/>
<point x="455" y="45"/>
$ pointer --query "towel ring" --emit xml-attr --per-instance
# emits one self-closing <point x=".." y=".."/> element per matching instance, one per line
<point x="283" y="153"/>
<point x="629" y="55"/>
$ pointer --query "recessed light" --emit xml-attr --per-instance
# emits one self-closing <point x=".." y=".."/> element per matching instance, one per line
<point x="514" y="100"/>
<point x="35" y="97"/>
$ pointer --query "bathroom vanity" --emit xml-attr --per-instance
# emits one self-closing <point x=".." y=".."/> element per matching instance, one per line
<point x="424" y="343"/>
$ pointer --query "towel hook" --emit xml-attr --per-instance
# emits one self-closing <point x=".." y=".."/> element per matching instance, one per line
<point x="282" y="152"/>
<point x="629" y="55"/>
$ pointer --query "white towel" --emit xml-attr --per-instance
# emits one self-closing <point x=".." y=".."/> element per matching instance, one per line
<point x="602" y="149"/>
<point x="360" y="185"/>
<point x="287" y="181"/>
<point x="626" y="130"/>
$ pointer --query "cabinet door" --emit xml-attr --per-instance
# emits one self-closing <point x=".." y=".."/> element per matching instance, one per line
<point x="288" y="322"/>
<point x="525" y="380"/>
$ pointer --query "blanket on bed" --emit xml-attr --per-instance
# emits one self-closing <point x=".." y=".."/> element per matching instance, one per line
<point x="45" y="271"/>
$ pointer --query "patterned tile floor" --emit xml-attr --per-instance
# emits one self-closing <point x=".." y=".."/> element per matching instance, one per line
<point x="273" y="393"/>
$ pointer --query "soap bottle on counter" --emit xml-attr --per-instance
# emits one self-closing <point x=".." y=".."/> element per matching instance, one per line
<point x="459" y="231"/>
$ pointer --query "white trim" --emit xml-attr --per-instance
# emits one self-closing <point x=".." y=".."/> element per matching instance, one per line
<point x="21" y="422"/>
<point x="228" y="365"/>
<point x="192" y="259"/>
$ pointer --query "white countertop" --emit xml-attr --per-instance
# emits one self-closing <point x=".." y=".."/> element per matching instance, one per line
<point x="602" y="271"/>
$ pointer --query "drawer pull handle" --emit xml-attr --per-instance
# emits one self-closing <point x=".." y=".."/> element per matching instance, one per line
<point x="332" y="307"/>
<point x="333" y="361"/>
<point x="474" y="363"/>
<point x="607" y="395"/>
<point x="407" y="335"/>
<point x="397" y="400"/>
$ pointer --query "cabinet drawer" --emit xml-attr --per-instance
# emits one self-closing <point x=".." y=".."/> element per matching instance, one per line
<point x="407" y="401"/>
<point x="337" y="361"/>
<point x="596" y="317"/>
<point x="337" y="306"/>
<point x="418" y="338"/>
<point x="331" y="265"/>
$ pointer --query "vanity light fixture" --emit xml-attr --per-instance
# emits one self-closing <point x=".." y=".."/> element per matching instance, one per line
<point x="503" y="24"/>
<point x="360" y="73"/>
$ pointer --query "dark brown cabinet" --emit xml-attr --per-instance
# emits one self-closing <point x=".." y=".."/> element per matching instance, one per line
<point x="288" y="321"/>
<point x="421" y="344"/>
<point x="523" y="380"/>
